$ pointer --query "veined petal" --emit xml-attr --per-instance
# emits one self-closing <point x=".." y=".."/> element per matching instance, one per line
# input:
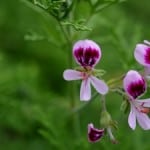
<point x="142" y="54"/>
<point x="143" y="102"/>
<point x="70" y="74"/>
<point x="99" y="85"/>
<point x="143" y="120"/>
<point x="132" y="117"/>
<point x="85" y="90"/>
<point x="86" y="53"/>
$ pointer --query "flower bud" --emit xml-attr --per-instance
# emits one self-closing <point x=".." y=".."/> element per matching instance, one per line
<point x="94" y="134"/>
<point x="105" y="120"/>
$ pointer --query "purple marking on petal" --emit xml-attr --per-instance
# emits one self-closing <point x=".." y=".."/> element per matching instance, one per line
<point x="87" y="53"/>
<point x="147" y="56"/>
<point x="94" y="134"/>
<point x="135" y="89"/>
<point x="87" y="57"/>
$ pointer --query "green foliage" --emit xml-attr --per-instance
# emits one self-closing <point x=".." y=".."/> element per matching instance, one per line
<point x="35" y="110"/>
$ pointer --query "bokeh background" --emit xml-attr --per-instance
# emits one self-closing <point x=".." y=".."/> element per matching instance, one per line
<point x="35" y="110"/>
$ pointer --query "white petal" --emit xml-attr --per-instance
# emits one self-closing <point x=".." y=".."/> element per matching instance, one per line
<point x="147" y="73"/>
<point x="132" y="118"/>
<point x="72" y="75"/>
<point x="90" y="125"/>
<point x="99" y="85"/>
<point x="143" y="102"/>
<point x="143" y="120"/>
<point x="85" y="90"/>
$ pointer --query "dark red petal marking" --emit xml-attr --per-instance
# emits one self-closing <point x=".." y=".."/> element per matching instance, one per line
<point x="86" y="57"/>
<point x="94" y="134"/>
<point x="147" y="56"/>
<point x="135" y="89"/>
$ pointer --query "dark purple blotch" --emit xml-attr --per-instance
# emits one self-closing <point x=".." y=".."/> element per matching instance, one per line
<point x="95" y="134"/>
<point x="86" y="57"/>
<point x="135" y="89"/>
<point x="147" y="56"/>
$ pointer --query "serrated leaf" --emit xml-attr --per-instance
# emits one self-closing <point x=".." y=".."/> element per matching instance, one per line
<point x="79" y="25"/>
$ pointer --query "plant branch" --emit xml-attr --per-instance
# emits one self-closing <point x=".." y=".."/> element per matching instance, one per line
<point x="81" y="107"/>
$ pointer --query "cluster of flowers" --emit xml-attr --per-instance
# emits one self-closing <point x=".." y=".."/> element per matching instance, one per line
<point x="87" y="54"/>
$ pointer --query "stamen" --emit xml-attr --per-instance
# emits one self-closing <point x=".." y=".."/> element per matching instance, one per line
<point x="145" y="110"/>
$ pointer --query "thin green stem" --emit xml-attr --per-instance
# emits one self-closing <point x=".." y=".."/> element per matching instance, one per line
<point x="75" y="120"/>
<point x="64" y="33"/>
<point x="112" y="138"/>
<point x="108" y="128"/>
<point x="81" y="107"/>
<point x="103" y="103"/>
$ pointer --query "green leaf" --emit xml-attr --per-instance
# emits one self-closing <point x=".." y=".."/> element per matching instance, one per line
<point x="42" y="3"/>
<point x="33" y="36"/>
<point x="78" y="25"/>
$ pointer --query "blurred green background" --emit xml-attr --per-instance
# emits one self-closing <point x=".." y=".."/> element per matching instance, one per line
<point x="35" y="111"/>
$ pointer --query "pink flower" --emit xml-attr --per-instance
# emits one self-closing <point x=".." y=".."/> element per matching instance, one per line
<point x="94" y="134"/>
<point x="142" y="55"/>
<point x="86" y="53"/>
<point x="134" y="86"/>
<point x="87" y="79"/>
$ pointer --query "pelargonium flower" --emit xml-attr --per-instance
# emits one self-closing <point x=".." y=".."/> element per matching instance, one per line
<point x="134" y="86"/>
<point x="86" y="53"/>
<point x="142" y="55"/>
<point x="94" y="134"/>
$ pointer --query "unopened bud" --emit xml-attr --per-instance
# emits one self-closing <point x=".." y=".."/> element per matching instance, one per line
<point x="105" y="120"/>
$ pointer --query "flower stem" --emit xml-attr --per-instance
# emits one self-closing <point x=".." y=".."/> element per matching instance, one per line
<point x="103" y="103"/>
<point x="112" y="138"/>
<point x="75" y="121"/>
<point x="81" y="107"/>
<point x="108" y="127"/>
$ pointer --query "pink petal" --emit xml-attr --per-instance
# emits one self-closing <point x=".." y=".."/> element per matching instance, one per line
<point x="72" y="75"/>
<point x="85" y="90"/>
<point x="139" y="54"/>
<point x="86" y="53"/>
<point x="143" y="120"/>
<point x="99" y="85"/>
<point x="143" y="102"/>
<point x="132" y="118"/>
<point x="134" y="84"/>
